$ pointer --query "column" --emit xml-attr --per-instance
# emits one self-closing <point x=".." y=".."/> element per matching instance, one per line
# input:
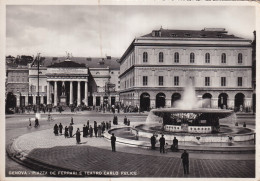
<point x="94" y="100"/>
<point x="55" y="93"/>
<point x="42" y="99"/>
<point x="79" y="97"/>
<point x="18" y="100"/>
<point x="231" y="103"/>
<point x="71" y="92"/>
<point x="26" y="100"/>
<point x="34" y="99"/>
<point x="86" y="93"/>
<point x="101" y="100"/>
<point x="48" y="92"/>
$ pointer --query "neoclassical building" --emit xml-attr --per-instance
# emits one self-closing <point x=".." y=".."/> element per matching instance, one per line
<point x="156" y="68"/>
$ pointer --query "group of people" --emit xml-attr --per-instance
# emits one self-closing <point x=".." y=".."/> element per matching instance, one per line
<point x="88" y="130"/>
<point x="126" y="121"/>
<point x="163" y="144"/>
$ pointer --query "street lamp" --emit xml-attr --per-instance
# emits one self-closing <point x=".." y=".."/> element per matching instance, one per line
<point x="38" y="115"/>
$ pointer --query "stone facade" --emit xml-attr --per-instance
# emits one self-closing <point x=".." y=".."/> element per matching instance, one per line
<point x="156" y="69"/>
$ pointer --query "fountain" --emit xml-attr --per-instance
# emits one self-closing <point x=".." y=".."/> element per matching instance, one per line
<point x="193" y="125"/>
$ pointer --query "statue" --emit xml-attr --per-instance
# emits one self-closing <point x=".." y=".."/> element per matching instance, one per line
<point x="63" y="89"/>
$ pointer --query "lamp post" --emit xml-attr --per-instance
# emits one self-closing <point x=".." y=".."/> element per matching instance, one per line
<point x="38" y="115"/>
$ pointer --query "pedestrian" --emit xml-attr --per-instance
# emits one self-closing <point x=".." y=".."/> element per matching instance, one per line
<point x="103" y="127"/>
<point x="88" y="123"/>
<point x="36" y="122"/>
<point x="71" y="121"/>
<point x="66" y="134"/>
<point x="95" y="128"/>
<point x="87" y="130"/>
<point x="113" y="142"/>
<point x="162" y="143"/>
<point x="107" y="126"/>
<point x="99" y="130"/>
<point x="55" y="129"/>
<point x="125" y="120"/>
<point x="70" y="130"/>
<point x="185" y="162"/>
<point x="60" y="128"/>
<point x="84" y="130"/>
<point x="128" y="122"/>
<point x="244" y="125"/>
<point x="90" y="131"/>
<point x="153" y="142"/>
<point x="174" y="146"/>
<point x="78" y="136"/>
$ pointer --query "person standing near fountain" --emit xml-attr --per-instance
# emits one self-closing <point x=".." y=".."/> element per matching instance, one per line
<point x="78" y="136"/>
<point x="153" y="142"/>
<point x="162" y="143"/>
<point x="185" y="162"/>
<point x="175" y="144"/>
<point x="113" y="142"/>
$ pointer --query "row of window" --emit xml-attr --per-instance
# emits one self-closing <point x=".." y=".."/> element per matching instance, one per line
<point x="207" y="81"/>
<point x="192" y="57"/>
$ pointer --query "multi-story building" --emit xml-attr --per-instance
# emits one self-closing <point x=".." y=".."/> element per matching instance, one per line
<point x="17" y="82"/>
<point x="156" y="68"/>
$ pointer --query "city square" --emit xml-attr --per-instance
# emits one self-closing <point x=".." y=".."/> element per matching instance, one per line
<point x="93" y="96"/>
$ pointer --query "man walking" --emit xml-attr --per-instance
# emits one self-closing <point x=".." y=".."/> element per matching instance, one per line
<point x="153" y="141"/>
<point x="185" y="162"/>
<point x="162" y="143"/>
<point x="70" y="129"/>
<point x="113" y="142"/>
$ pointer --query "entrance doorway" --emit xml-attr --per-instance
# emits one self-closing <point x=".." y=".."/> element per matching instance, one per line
<point x="175" y="97"/>
<point x="222" y="100"/>
<point x="206" y="100"/>
<point x="113" y="100"/>
<point x="145" y="102"/>
<point x="160" y="100"/>
<point x="239" y="101"/>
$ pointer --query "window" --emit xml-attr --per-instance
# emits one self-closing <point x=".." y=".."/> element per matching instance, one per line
<point x="207" y="81"/>
<point x="240" y="58"/>
<point x="239" y="81"/>
<point x="176" y="80"/>
<point x="176" y="57"/>
<point x="223" y="58"/>
<point x="223" y="81"/>
<point x="161" y="57"/>
<point x="207" y="58"/>
<point x="145" y="80"/>
<point x="192" y="57"/>
<point x="145" y="57"/>
<point x="160" y="80"/>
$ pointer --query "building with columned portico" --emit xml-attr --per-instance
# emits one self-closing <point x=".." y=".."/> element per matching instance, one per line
<point x="155" y="69"/>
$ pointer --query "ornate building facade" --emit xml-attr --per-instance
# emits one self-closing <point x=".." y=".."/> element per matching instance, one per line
<point x="156" y="68"/>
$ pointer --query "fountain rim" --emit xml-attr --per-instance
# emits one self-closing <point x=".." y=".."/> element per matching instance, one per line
<point x="195" y="110"/>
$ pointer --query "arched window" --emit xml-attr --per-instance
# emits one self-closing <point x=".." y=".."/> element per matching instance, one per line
<point x="192" y="57"/>
<point x="240" y="58"/>
<point x="207" y="58"/>
<point x="223" y="58"/>
<point x="145" y="57"/>
<point x="161" y="57"/>
<point x="176" y="57"/>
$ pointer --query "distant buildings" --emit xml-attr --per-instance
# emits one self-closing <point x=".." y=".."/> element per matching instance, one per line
<point x="89" y="81"/>
<point x="156" y="68"/>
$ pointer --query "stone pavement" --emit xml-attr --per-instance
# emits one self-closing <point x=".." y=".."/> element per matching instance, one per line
<point x="94" y="154"/>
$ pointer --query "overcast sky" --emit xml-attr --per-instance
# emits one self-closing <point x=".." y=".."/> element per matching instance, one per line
<point x="94" y="31"/>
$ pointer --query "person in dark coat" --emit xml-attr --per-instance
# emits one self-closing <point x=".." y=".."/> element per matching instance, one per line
<point x="71" y="121"/>
<point x="125" y="121"/>
<point x="95" y="128"/>
<point x="78" y="136"/>
<point x="60" y="128"/>
<point x="90" y="131"/>
<point x="66" y="134"/>
<point x="88" y="123"/>
<point x="55" y="129"/>
<point x="87" y="131"/>
<point x="175" y="144"/>
<point x="70" y="129"/>
<point x="84" y="130"/>
<point x="185" y="162"/>
<point x="107" y="126"/>
<point x="113" y="142"/>
<point x="162" y="143"/>
<point x="153" y="142"/>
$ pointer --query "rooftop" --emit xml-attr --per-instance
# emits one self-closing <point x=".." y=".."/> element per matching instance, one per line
<point x="204" y="33"/>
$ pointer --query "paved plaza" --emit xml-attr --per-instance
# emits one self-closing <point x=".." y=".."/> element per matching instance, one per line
<point x="93" y="157"/>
